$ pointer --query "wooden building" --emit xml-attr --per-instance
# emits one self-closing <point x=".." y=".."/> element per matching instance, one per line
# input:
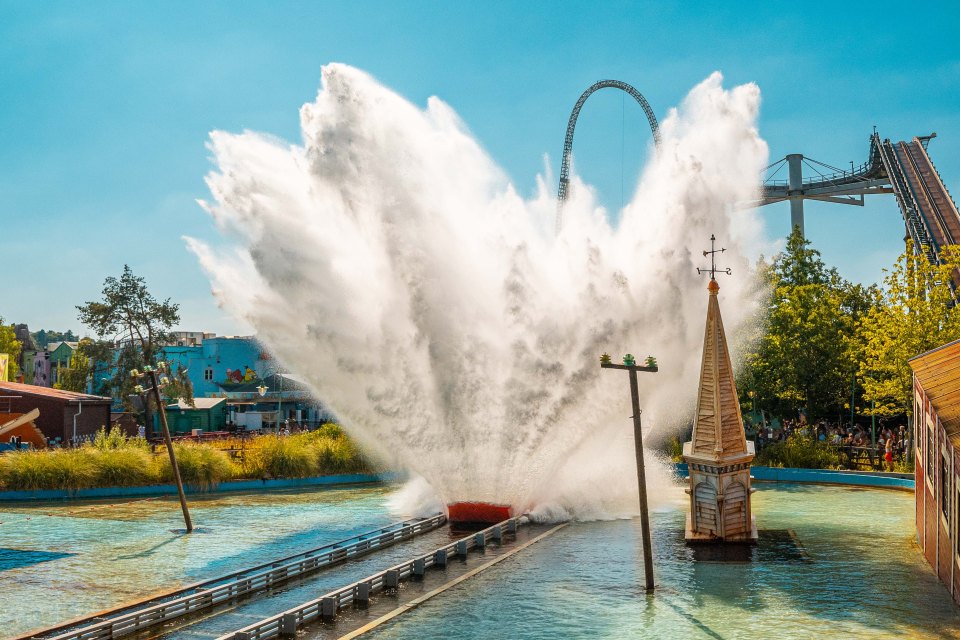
<point x="206" y="414"/>
<point x="936" y="412"/>
<point x="718" y="455"/>
<point x="63" y="414"/>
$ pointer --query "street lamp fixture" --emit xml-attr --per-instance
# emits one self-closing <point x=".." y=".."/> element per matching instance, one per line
<point x="262" y="389"/>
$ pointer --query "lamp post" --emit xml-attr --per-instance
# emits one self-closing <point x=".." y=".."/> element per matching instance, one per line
<point x="262" y="390"/>
<point x="630" y="365"/>
<point x="150" y="373"/>
<point x="279" y="400"/>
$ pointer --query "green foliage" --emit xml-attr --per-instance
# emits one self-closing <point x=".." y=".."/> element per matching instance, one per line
<point x="79" y="372"/>
<point x="124" y="467"/>
<point x="178" y="387"/>
<point x="128" y="315"/>
<point x="45" y="337"/>
<point x="115" y="438"/>
<point x="107" y="440"/>
<point x="68" y="469"/>
<point x="286" y="457"/>
<point x="799" y="451"/>
<point x="10" y="346"/>
<point x="90" y="360"/>
<point x="328" y="430"/>
<point x="339" y="455"/>
<point x="128" y="311"/>
<point x="914" y="314"/>
<point x="113" y="460"/>
<point x="805" y="358"/>
<point x="201" y="466"/>
<point x="676" y="450"/>
<point x="326" y="450"/>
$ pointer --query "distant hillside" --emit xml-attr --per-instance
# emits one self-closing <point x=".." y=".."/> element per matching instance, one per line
<point x="45" y="337"/>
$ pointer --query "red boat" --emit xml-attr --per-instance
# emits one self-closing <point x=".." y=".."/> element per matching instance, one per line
<point x="475" y="513"/>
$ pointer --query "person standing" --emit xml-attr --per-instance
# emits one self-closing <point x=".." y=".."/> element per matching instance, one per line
<point x="888" y="454"/>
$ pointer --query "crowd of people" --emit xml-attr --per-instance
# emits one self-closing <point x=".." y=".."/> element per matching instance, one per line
<point x="889" y="445"/>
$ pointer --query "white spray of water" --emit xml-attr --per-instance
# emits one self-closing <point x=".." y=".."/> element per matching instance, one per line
<point x="389" y="261"/>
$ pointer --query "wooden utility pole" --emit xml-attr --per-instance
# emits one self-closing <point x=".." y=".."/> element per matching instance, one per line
<point x="152" y="374"/>
<point x="630" y="366"/>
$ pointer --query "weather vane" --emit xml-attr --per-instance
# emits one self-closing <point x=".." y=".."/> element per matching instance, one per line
<point x="713" y="263"/>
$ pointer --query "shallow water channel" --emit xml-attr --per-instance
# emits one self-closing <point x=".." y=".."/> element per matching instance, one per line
<point x="833" y="561"/>
<point x="102" y="554"/>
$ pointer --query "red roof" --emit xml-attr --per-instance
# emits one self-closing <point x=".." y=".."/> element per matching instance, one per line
<point x="17" y="389"/>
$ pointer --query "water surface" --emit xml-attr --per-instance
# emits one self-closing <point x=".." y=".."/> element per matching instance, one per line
<point x="856" y="573"/>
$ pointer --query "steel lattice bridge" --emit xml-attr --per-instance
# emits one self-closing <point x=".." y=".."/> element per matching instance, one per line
<point x="901" y="168"/>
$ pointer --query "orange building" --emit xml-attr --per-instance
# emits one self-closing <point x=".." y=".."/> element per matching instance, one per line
<point x="936" y="411"/>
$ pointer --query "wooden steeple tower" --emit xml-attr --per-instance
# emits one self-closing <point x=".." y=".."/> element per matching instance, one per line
<point x="718" y="455"/>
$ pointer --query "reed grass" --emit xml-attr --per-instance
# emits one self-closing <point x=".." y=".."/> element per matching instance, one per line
<point x="201" y="466"/>
<point x="127" y="467"/>
<point x="285" y="457"/>
<point x="67" y="469"/>
<point x="115" y="460"/>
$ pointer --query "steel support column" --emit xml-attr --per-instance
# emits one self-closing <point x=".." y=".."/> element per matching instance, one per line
<point x="795" y="191"/>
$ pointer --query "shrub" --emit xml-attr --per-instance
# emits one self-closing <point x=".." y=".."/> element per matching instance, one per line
<point x="338" y="455"/>
<point x="329" y="430"/>
<point x="201" y="466"/>
<point x="68" y="469"/>
<point x="115" y="438"/>
<point x="286" y="457"/>
<point x="126" y="467"/>
<point x="676" y="450"/>
<point x="799" y="451"/>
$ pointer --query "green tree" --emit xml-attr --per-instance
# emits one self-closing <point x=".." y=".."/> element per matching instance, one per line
<point x="90" y="362"/>
<point x="915" y="313"/>
<point x="45" y="337"/>
<point x="129" y="317"/>
<point x="10" y="346"/>
<point x="804" y="358"/>
<point x="79" y="373"/>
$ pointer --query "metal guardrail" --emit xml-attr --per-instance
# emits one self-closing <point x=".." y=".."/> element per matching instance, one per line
<point x="246" y="582"/>
<point x="326" y="607"/>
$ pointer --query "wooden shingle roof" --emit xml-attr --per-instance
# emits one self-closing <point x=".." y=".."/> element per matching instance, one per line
<point x="938" y="372"/>
<point x="718" y="426"/>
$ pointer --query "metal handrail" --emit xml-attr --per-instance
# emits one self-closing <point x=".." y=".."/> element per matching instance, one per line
<point x="247" y="582"/>
<point x="326" y="606"/>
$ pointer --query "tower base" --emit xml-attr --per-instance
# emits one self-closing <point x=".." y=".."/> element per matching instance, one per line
<point x="693" y="537"/>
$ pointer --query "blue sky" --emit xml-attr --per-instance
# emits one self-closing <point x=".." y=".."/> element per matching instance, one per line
<point x="106" y="108"/>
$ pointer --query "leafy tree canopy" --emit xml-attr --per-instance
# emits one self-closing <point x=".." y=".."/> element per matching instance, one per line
<point x="129" y="317"/>
<point x="915" y="313"/>
<point x="804" y="360"/>
<point x="44" y="337"/>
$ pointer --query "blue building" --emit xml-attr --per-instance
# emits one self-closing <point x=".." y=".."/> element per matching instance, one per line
<point x="240" y="370"/>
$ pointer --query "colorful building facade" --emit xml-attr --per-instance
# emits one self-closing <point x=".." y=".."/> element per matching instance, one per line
<point x="239" y="369"/>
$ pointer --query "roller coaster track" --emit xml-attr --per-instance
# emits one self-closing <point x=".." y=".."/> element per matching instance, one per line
<point x="902" y="168"/>
<point x="572" y="125"/>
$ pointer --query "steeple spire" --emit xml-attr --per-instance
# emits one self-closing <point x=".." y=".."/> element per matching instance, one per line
<point x="718" y="454"/>
<point x="718" y="425"/>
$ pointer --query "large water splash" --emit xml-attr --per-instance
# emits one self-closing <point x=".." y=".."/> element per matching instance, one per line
<point x="389" y="261"/>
